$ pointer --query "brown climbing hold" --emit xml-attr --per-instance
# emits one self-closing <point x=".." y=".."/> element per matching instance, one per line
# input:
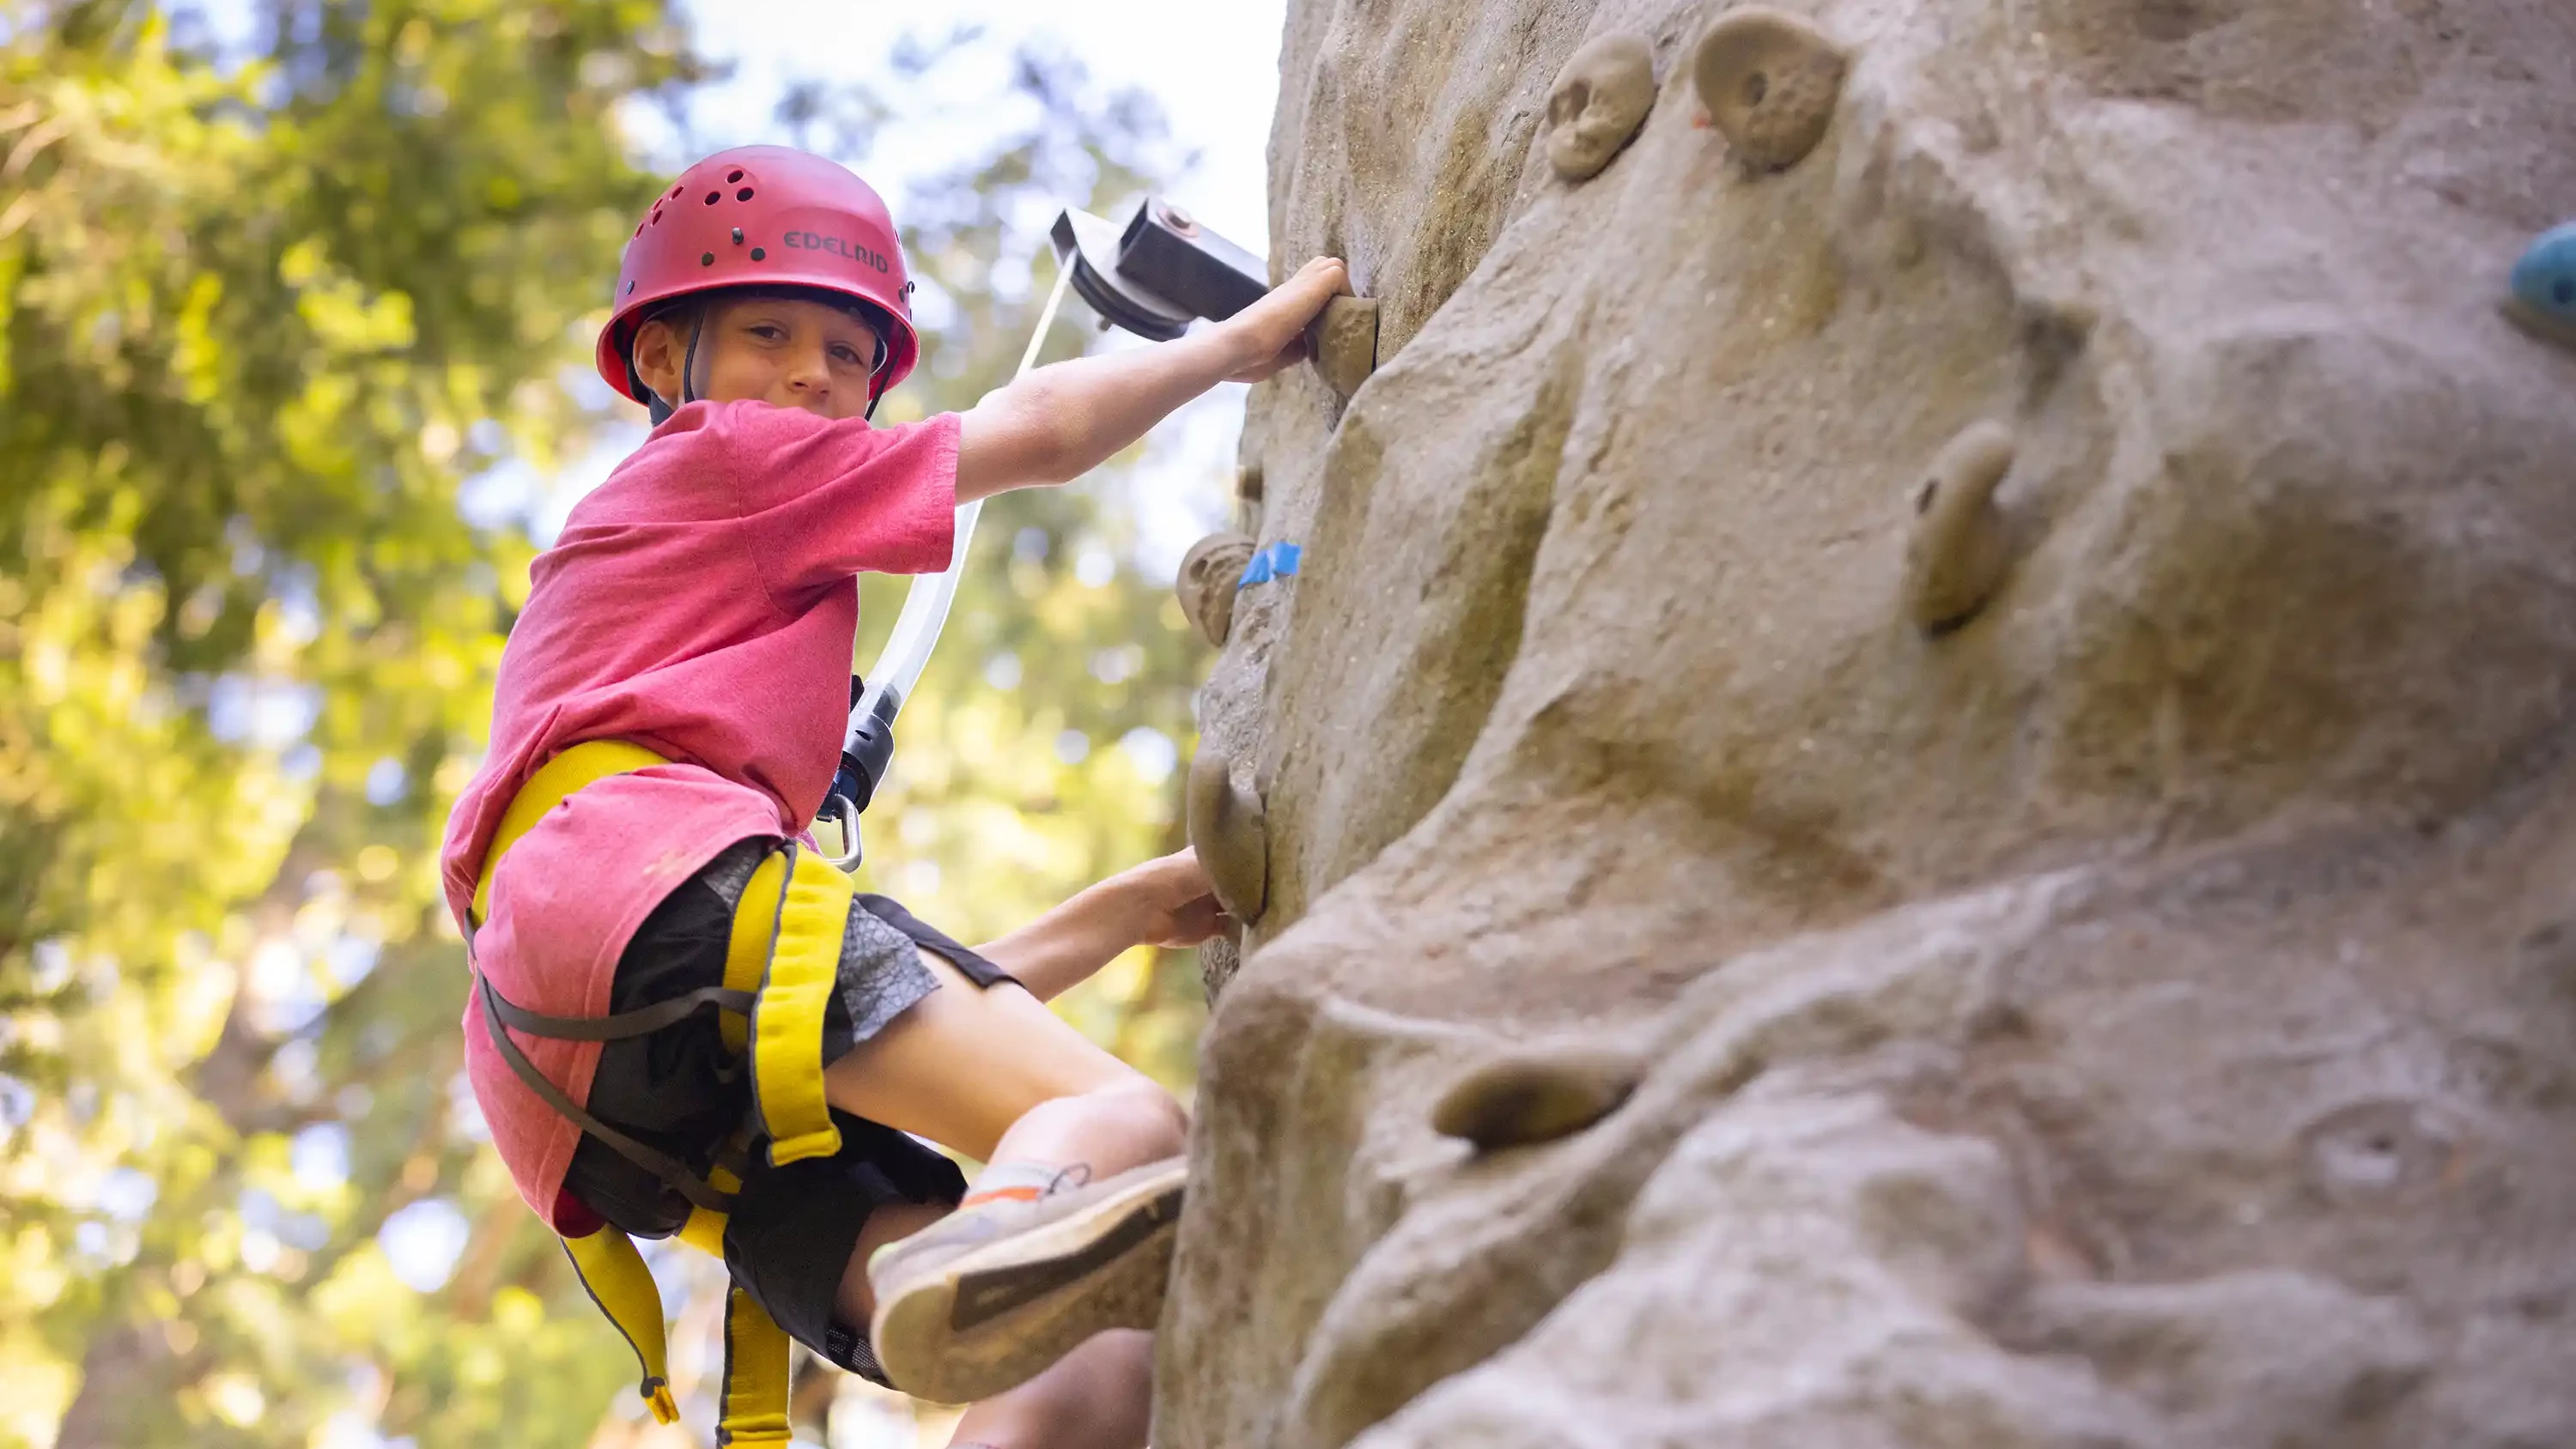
<point x="1247" y="483"/>
<point x="1230" y="832"/>
<point x="1344" y="339"/>
<point x="1962" y="544"/>
<point x="1600" y="99"/>
<point x="1536" y="1094"/>
<point x="1770" y="82"/>
<point x="1205" y="586"/>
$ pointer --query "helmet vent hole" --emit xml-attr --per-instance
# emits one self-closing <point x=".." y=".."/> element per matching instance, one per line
<point x="733" y="176"/>
<point x="713" y="196"/>
<point x="760" y="254"/>
<point x="743" y="195"/>
<point x="675" y="190"/>
<point x="656" y="218"/>
<point x="706" y="259"/>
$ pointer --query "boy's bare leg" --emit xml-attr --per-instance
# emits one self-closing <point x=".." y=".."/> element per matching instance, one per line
<point x="1084" y="1402"/>
<point x="995" y="1075"/>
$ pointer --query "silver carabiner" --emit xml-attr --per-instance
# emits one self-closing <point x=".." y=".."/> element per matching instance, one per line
<point x="843" y="814"/>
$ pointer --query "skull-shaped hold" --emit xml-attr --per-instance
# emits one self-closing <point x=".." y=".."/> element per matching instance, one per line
<point x="1205" y="587"/>
<point x="1600" y="99"/>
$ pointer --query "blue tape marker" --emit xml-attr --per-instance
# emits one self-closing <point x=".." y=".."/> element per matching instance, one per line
<point x="1278" y="561"/>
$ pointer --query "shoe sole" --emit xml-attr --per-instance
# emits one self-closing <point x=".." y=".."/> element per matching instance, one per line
<point x="995" y="1317"/>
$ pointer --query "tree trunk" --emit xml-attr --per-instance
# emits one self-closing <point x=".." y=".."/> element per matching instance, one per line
<point x="122" y="1368"/>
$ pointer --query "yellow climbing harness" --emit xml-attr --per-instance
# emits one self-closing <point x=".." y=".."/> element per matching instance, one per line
<point x="780" y="969"/>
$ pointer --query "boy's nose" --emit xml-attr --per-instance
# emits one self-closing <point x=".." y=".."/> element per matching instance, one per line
<point x="811" y="373"/>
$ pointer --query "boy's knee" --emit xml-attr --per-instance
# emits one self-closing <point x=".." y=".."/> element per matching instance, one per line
<point x="1148" y="1108"/>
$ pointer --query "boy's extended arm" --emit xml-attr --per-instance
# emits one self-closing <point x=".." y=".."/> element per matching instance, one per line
<point x="1165" y="902"/>
<point x="1061" y="421"/>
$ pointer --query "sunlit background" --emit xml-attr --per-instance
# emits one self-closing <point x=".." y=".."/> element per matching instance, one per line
<point x="296" y="299"/>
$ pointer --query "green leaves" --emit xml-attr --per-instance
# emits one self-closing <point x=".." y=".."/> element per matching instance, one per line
<point x="263" y="312"/>
<point x="260" y="321"/>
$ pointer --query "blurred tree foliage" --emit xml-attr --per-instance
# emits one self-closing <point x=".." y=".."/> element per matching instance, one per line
<point x="265" y="308"/>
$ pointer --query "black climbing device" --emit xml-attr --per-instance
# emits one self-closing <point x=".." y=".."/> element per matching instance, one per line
<point x="1159" y="272"/>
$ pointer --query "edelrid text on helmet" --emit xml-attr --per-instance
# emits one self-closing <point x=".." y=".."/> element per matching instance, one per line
<point x="838" y="246"/>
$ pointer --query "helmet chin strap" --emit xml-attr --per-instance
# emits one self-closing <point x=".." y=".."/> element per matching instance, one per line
<point x="654" y="406"/>
<point x="689" y="361"/>
<point x="876" y="394"/>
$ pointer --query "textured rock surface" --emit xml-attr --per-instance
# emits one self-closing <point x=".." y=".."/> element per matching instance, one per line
<point x="2144" y="1015"/>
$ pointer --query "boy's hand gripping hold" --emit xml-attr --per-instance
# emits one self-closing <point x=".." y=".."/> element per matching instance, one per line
<point x="1274" y="328"/>
<point x="1066" y="419"/>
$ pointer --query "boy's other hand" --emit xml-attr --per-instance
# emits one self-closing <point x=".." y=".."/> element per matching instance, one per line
<point x="1173" y="902"/>
<point x="1271" y="333"/>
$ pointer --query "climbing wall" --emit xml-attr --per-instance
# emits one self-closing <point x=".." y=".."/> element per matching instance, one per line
<point x="1914" y="787"/>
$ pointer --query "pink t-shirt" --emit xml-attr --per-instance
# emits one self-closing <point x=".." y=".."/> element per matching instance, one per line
<point x="699" y="603"/>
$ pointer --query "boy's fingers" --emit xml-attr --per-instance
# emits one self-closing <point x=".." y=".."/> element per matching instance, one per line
<point x="1201" y="916"/>
<point x="1177" y="881"/>
<point x="1322" y="277"/>
<point x="1303" y="298"/>
<point x="1280" y="319"/>
<point x="1321" y="288"/>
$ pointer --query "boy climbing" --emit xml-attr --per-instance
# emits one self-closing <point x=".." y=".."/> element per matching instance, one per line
<point x="684" y="1021"/>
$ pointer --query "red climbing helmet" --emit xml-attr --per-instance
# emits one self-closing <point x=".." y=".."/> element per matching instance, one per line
<point x="764" y="216"/>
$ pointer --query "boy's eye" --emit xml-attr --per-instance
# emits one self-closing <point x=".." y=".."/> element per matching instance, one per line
<point x="767" y="331"/>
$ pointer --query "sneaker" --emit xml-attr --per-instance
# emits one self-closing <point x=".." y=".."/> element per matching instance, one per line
<point x="990" y="1295"/>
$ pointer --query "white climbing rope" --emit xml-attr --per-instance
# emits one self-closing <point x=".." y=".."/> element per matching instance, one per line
<point x="925" y="606"/>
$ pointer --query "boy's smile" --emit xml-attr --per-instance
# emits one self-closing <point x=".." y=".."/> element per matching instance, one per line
<point x="784" y="351"/>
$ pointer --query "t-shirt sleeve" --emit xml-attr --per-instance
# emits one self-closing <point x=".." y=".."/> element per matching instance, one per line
<point x="826" y="499"/>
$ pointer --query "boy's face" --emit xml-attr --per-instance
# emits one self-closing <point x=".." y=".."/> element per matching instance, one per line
<point x="783" y="351"/>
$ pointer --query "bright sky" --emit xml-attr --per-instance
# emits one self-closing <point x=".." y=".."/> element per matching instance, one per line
<point x="1213" y="66"/>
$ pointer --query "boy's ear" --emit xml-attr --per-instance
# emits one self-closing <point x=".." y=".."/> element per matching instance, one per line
<point x="660" y="349"/>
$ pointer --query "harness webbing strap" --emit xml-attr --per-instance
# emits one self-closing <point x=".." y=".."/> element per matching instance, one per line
<point x="674" y="1173"/>
<point x="586" y="763"/>
<point x="782" y="965"/>
<point x="756" y="1378"/>
<point x="643" y="1021"/>
<point x="612" y="1272"/>
<point x="805" y="924"/>
<point x="705" y="1228"/>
